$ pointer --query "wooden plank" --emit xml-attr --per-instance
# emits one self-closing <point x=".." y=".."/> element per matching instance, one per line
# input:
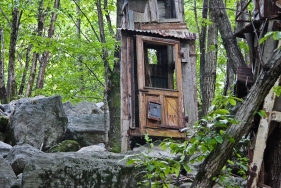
<point x="124" y="93"/>
<point x="144" y="17"/>
<point x="133" y="84"/>
<point x="168" y="133"/>
<point x="153" y="26"/>
<point x="131" y="21"/>
<point x="262" y="134"/>
<point x="154" y="16"/>
<point x="189" y="86"/>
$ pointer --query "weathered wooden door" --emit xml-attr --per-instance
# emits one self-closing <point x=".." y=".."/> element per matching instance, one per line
<point x="159" y="86"/>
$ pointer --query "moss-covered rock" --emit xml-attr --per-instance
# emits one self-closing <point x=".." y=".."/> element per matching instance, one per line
<point x="65" y="146"/>
<point x="3" y="123"/>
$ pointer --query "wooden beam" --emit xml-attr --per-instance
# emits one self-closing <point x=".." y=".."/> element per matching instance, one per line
<point x="262" y="134"/>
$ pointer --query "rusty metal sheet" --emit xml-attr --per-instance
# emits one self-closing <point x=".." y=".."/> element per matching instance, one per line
<point x="245" y="75"/>
<point x="177" y="30"/>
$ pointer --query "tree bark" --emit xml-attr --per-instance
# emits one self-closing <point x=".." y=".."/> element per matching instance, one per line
<point x="40" y="26"/>
<point x="45" y="55"/>
<point x="80" y="61"/>
<point x="202" y="46"/>
<point x="106" y="65"/>
<point x="3" y="97"/>
<point x="114" y="96"/>
<point x="209" y="81"/>
<point x="214" y="162"/>
<point x="11" y="83"/>
<point x="233" y="51"/>
<point x="27" y="60"/>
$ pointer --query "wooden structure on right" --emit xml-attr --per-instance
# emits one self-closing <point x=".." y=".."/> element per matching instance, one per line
<point x="265" y="147"/>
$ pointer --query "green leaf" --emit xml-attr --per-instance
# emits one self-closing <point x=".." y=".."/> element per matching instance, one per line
<point x="219" y="139"/>
<point x="187" y="168"/>
<point x="150" y="167"/>
<point x="266" y="36"/>
<point x="222" y="111"/>
<point x="262" y="113"/>
<point x="276" y="35"/>
<point x="230" y="162"/>
<point x="232" y="102"/>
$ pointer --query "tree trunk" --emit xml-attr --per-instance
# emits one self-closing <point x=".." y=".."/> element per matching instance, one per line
<point x="80" y="61"/>
<point x="45" y="55"/>
<point x="202" y="45"/>
<point x="23" y="79"/>
<point x="214" y="162"/>
<point x="32" y="74"/>
<point x="106" y="65"/>
<point x="209" y="81"/>
<point x="114" y="91"/>
<point x="11" y="83"/>
<point x="234" y="54"/>
<point x="3" y="97"/>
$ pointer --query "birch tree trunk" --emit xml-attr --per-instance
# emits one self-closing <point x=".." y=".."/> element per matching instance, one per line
<point x="3" y="97"/>
<point x="32" y="73"/>
<point x="209" y="81"/>
<point x="45" y="55"/>
<point x="11" y="83"/>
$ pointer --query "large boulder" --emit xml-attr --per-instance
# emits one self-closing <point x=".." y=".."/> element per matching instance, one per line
<point x="96" y="170"/>
<point x="85" y="123"/>
<point x="20" y="155"/>
<point x="40" y="122"/>
<point x="7" y="175"/>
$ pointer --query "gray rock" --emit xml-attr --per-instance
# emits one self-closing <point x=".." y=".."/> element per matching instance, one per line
<point x="4" y="149"/>
<point x="38" y="121"/>
<point x="17" y="183"/>
<point x="7" y="176"/>
<point x="85" y="123"/>
<point x="19" y="156"/>
<point x="93" y="148"/>
<point x="92" y="170"/>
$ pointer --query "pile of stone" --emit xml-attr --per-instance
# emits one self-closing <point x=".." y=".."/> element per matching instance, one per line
<point x="40" y="146"/>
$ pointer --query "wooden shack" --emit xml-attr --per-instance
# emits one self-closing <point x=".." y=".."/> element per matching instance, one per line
<point x="158" y="71"/>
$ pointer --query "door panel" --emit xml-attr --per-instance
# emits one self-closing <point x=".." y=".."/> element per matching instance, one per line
<point x="160" y="86"/>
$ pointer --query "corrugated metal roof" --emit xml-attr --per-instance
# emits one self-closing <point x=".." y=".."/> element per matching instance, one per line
<point x="166" y="30"/>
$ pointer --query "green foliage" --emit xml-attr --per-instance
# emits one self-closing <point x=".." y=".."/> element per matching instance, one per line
<point x="277" y="90"/>
<point x="210" y="132"/>
<point x="276" y="35"/>
<point x="75" y="69"/>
